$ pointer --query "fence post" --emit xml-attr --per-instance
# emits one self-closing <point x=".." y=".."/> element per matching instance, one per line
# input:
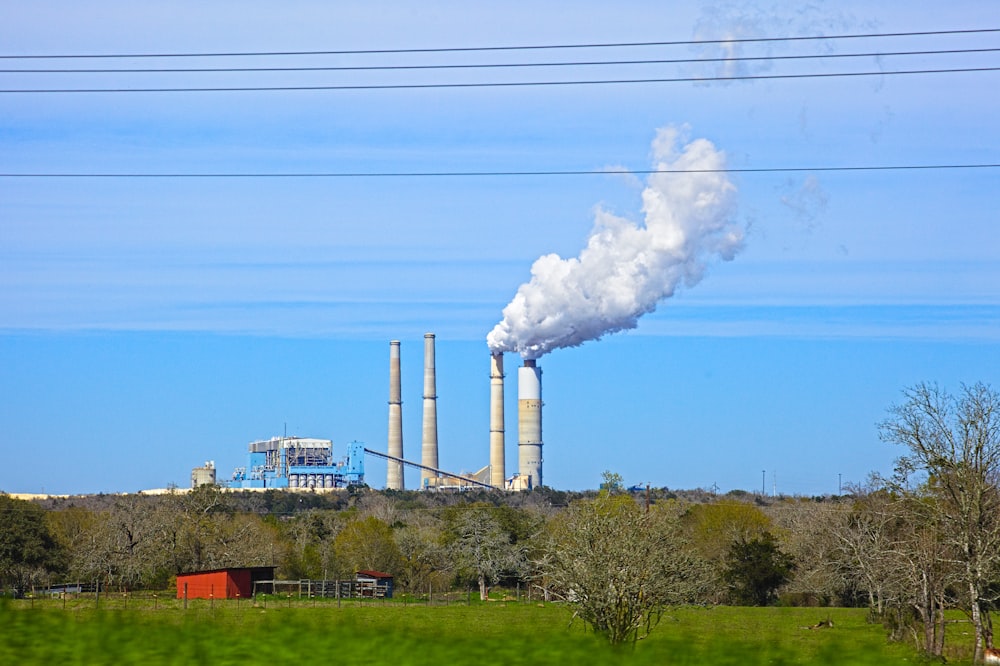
<point x="185" y="596"/>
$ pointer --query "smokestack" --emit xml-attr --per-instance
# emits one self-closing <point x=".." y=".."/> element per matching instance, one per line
<point x="529" y="423"/>
<point x="497" y="461"/>
<point x="394" y="473"/>
<point x="429" y="448"/>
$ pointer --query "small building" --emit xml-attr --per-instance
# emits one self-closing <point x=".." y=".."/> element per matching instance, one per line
<point x="228" y="583"/>
<point x="374" y="584"/>
<point x="204" y="475"/>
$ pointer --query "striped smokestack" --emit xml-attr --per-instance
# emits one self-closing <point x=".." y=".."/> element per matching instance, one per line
<point x="429" y="448"/>
<point x="497" y="461"/>
<point x="529" y="423"/>
<point x="394" y="473"/>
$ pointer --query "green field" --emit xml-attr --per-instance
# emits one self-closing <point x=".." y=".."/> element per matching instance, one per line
<point x="224" y="633"/>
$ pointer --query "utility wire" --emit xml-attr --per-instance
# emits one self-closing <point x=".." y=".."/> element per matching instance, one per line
<point x="696" y="42"/>
<point x="472" y="174"/>
<point x="359" y="68"/>
<point x="497" y="84"/>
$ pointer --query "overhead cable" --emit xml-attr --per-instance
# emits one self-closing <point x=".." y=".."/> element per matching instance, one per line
<point x="694" y="42"/>
<point x="499" y="84"/>
<point x="509" y="65"/>
<point x="472" y="174"/>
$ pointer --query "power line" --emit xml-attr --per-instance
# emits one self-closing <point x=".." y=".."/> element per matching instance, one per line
<point x="360" y="68"/>
<point x="473" y="174"/>
<point x="695" y="42"/>
<point x="498" y="84"/>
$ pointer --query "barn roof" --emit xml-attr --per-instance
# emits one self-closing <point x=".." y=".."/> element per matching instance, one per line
<point x="209" y="571"/>
<point x="375" y="574"/>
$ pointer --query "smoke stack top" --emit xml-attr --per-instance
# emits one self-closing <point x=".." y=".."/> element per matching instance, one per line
<point x="627" y="268"/>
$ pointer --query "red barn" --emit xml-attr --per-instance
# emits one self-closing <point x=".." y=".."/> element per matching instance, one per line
<point x="222" y="583"/>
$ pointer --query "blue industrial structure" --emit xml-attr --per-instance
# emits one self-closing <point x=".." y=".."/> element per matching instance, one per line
<point x="299" y="462"/>
<point x="307" y="463"/>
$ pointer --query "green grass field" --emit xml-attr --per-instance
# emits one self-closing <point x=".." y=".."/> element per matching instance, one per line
<point x="222" y="634"/>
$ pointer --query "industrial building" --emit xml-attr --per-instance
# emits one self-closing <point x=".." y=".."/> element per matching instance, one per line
<point x="300" y="462"/>
<point x="204" y="475"/>
<point x="309" y="464"/>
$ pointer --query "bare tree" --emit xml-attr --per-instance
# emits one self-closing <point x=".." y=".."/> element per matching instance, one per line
<point x="425" y="558"/>
<point x="925" y="566"/>
<point x="864" y="540"/>
<point x="808" y="531"/>
<point x="483" y="546"/>
<point x="620" y="566"/>
<point x="955" y="442"/>
<point x="308" y="543"/>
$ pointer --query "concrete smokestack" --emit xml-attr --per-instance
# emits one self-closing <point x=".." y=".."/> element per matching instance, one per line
<point x="429" y="448"/>
<point x="497" y="459"/>
<point x="394" y="473"/>
<point x="529" y="423"/>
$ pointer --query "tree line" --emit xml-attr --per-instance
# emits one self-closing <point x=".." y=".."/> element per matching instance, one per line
<point x="908" y="546"/>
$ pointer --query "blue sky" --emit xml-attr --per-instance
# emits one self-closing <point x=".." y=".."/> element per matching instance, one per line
<point x="147" y="325"/>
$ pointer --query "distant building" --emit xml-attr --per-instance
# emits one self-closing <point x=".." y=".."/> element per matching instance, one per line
<point x="299" y="462"/>
<point x="203" y="476"/>
<point x="375" y="584"/>
<point x="228" y="583"/>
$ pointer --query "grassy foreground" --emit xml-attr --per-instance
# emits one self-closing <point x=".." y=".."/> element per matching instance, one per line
<point x="401" y="635"/>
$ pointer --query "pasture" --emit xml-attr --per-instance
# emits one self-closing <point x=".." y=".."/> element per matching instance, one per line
<point x="223" y="633"/>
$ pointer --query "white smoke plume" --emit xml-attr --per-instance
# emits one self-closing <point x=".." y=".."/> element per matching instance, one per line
<point x="627" y="268"/>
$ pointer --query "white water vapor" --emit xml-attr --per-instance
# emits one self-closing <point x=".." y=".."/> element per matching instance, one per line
<point x="627" y="268"/>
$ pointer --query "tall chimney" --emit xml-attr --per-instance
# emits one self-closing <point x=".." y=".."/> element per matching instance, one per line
<point x="394" y="472"/>
<point x="429" y="448"/>
<point x="529" y="423"/>
<point x="497" y="461"/>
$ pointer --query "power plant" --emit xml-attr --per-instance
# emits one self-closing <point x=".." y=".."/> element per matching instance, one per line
<point x="299" y="462"/>
<point x="493" y="475"/>
<point x="310" y="464"/>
